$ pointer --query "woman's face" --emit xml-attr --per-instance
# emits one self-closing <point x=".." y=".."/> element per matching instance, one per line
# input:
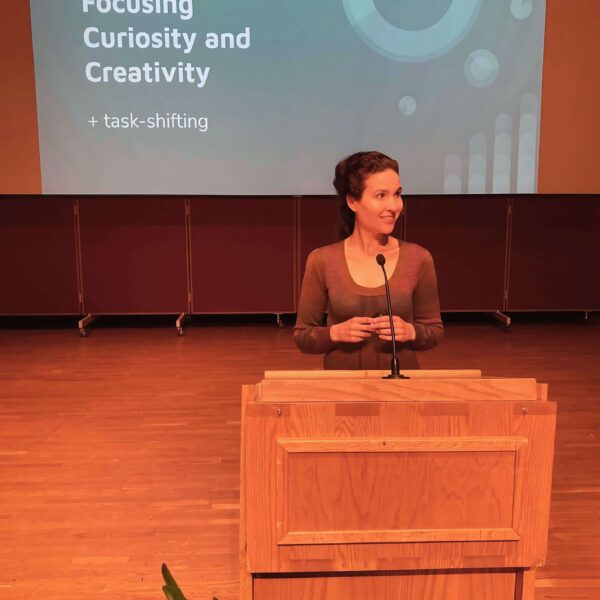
<point x="380" y="205"/>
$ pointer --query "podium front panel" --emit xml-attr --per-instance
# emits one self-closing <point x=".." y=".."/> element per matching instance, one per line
<point x="367" y="485"/>
<point x="395" y="490"/>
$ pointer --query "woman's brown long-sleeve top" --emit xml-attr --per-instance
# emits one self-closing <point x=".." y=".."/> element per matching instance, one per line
<point x="328" y="287"/>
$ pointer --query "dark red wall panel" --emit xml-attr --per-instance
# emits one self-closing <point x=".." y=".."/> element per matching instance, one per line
<point x="467" y="237"/>
<point x="555" y="254"/>
<point x="133" y="255"/>
<point x="318" y="220"/>
<point x="248" y="254"/>
<point x="38" y="266"/>
<point x="243" y="255"/>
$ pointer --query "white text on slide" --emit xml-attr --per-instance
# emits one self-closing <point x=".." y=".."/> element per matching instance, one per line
<point x="183" y="8"/>
<point x="157" y="120"/>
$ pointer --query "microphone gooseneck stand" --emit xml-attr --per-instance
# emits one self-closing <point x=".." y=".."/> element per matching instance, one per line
<point x="395" y="367"/>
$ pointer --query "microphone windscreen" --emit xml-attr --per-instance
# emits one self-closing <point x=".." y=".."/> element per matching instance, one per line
<point x="380" y="258"/>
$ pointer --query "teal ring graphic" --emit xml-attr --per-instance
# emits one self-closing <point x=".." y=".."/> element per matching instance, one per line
<point x="408" y="45"/>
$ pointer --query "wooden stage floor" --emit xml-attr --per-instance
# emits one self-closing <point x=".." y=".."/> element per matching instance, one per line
<point x="121" y="450"/>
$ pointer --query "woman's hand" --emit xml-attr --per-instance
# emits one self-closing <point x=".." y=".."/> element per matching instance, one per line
<point x="403" y="329"/>
<point x="353" y="330"/>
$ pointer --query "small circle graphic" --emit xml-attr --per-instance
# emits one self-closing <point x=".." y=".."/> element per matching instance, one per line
<point x="481" y="68"/>
<point x="521" y="9"/>
<point x="409" y="45"/>
<point x="407" y="105"/>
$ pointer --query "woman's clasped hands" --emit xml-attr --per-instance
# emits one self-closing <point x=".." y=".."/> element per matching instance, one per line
<point x="359" y="329"/>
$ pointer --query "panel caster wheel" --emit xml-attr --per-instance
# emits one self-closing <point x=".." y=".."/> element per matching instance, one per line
<point x="84" y="322"/>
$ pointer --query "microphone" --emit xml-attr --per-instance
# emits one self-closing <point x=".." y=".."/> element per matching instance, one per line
<point x="395" y="366"/>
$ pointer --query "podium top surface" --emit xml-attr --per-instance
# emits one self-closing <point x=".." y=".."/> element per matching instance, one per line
<point x="367" y="386"/>
<point x="321" y="374"/>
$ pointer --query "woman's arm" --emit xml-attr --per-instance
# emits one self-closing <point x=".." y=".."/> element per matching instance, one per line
<point x="428" y="325"/>
<point x="310" y="335"/>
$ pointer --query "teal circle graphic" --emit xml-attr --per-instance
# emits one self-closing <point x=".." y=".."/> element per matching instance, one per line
<point x="407" y="106"/>
<point x="481" y="68"/>
<point x="408" y="45"/>
<point x="521" y="9"/>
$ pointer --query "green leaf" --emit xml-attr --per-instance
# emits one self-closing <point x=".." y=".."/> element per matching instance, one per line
<point x="173" y="593"/>
<point x="167" y="591"/>
<point x="172" y="590"/>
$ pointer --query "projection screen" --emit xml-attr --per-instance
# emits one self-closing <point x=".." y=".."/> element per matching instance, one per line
<point x="258" y="97"/>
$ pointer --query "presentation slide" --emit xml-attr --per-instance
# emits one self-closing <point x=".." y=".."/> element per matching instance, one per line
<point x="257" y="97"/>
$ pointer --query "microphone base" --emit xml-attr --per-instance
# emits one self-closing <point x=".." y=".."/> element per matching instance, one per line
<point x="395" y="368"/>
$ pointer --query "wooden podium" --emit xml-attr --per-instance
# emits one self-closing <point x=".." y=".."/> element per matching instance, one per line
<point x="432" y="488"/>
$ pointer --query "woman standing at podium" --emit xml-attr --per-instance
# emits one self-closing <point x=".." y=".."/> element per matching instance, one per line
<point x="345" y="281"/>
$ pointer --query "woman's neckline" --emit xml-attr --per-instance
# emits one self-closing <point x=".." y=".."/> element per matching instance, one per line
<point x="366" y="287"/>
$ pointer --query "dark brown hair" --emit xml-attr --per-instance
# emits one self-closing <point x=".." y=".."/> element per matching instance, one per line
<point x="350" y="176"/>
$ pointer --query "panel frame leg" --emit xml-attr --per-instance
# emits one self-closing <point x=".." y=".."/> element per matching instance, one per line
<point x="503" y="318"/>
<point x="84" y="322"/>
<point x="179" y="324"/>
